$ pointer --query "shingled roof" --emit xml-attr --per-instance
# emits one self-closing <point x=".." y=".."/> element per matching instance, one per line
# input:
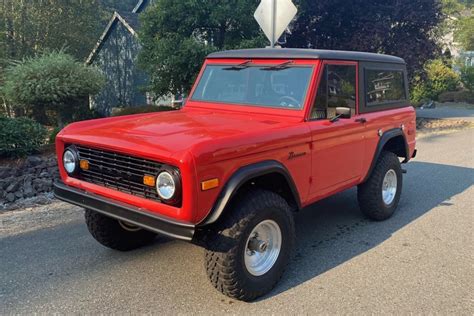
<point x="141" y="5"/>
<point x="129" y="20"/>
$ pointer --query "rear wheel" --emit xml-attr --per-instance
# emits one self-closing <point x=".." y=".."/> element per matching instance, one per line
<point x="115" y="234"/>
<point x="379" y="195"/>
<point x="249" y="249"/>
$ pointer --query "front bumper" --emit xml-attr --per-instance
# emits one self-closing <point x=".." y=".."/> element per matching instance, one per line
<point x="124" y="212"/>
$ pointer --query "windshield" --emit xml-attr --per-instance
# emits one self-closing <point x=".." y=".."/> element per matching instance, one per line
<point x="280" y="86"/>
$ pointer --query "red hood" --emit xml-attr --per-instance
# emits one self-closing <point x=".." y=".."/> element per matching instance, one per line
<point x="165" y="134"/>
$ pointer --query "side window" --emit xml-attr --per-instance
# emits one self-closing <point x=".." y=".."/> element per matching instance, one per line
<point x="337" y="88"/>
<point x="384" y="86"/>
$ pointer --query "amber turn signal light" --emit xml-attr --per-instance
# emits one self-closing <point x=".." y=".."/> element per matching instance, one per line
<point x="84" y="164"/>
<point x="209" y="184"/>
<point x="149" y="180"/>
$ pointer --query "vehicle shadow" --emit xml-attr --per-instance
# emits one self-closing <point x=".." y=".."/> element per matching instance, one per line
<point x="333" y="231"/>
<point x="329" y="233"/>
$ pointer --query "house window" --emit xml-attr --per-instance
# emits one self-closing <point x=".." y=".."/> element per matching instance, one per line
<point x="384" y="86"/>
<point x="337" y="88"/>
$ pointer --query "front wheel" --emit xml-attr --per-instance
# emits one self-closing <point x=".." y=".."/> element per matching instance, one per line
<point x="249" y="249"/>
<point x="115" y="234"/>
<point x="379" y="195"/>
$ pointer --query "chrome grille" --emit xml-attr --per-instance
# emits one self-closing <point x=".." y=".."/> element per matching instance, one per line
<point x="119" y="172"/>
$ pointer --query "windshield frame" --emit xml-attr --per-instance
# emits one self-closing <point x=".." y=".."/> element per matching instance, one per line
<point x="261" y="63"/>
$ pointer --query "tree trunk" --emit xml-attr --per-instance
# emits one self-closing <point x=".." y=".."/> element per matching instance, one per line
<point x="7" y="108"/>
<point x="39" y="114"/>
<point x="59" y="120"/>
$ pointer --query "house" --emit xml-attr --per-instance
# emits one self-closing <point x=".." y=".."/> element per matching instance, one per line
<point x="467" y="58"/>
<point x="115" y="54"/>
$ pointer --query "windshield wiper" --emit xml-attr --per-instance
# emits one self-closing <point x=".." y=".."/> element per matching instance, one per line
<point x="281" y="66"/>
<point x="238" y="67"/>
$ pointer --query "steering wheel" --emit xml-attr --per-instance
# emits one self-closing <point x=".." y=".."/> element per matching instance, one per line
<point x="288" y="101"/>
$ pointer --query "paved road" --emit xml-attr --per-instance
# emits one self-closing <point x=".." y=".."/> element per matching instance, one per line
<point x="447" y="112"/>
<point x="419" y="261"/>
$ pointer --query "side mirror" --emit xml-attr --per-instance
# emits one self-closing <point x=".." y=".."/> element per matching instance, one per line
<point x="178" y="103"/>
<point x="343" y="112"/>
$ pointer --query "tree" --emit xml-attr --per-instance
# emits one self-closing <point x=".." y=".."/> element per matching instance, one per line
<point x="467" y="78"/>
<point x="28" y="27"/>
<point x="464" y="33"/>
<point x="32" y="26"/>
<point x="405" y="28"/>
<point x="453" y="7"/>
<point x="177" y="35"/>
<point x="52" y="82"/>
<point x="439" y="78"/>
<point x="460" y="22"/>
<point x="109" y="6"/>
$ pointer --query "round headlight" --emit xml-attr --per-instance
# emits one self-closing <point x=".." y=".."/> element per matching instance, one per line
<point x="165" y="185"/>
<point x="70" y="161"/>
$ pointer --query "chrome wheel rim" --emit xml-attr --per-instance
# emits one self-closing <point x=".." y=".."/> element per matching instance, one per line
<point x="129" y="227"/>
<point x="389" y="187"/>
<point x="262" y="247"/>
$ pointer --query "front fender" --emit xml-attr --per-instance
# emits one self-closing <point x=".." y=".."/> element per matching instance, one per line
<point x="240" y="177"/>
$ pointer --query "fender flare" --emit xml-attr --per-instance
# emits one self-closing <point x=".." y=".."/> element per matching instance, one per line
<point x="388" y="135"/>
<point x="240" y="177"/>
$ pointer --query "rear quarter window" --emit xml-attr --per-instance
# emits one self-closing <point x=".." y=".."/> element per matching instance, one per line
<point x="384" y="86"/>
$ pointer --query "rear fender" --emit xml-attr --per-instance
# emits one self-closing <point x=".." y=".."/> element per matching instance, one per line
<point x="384" y="140"/>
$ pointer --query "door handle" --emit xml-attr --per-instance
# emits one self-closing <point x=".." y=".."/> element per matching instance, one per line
<point x="361" y="120"/>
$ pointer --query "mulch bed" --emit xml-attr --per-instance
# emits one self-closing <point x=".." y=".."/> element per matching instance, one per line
<point x="427" y="125"/>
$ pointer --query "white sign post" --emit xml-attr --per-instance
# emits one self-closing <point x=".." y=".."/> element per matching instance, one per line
<point x="274" y="16"/>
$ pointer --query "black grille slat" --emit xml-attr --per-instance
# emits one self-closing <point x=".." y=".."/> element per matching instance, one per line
<point x="111" y="179"/>
<point x="124" y="186"/>
<point x="114" y="165"/>
<point x="135" y="192"/>
<point x="137" y="161"/>
<point x="116" y="161"/>
<point x="119" y="172"/>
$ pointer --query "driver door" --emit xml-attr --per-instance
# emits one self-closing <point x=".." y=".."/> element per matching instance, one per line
<point x="337" y="147"/>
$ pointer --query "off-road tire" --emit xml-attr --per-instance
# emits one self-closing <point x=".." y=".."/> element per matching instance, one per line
<point x="226" y="245"/>
<point x="369" y="193"/>
<point x="111" y="234"/>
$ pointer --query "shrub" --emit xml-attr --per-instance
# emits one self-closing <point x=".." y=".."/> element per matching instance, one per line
<point x="457" y="96"/>
<point x="20" y="136"/>
<point x="467" y="78"/>
<point x="141" y="109"/>
<point x="419" y="93"/>
<point x="51" y="82"/>
<point x="53" y="133"/>
<point x="439" y="78"/>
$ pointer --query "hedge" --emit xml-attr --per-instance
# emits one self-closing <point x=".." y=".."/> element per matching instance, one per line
<point x="20" y="136"/>
<point x="457" y="96"/>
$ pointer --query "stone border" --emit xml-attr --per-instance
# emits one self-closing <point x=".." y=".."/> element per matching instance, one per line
<point x="28" y="179"/>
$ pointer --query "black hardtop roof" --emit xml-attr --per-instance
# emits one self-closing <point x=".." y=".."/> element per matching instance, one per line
<point x="302" y="53"/>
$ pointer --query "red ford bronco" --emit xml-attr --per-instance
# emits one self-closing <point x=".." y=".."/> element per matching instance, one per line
<point x="264" y="133"/>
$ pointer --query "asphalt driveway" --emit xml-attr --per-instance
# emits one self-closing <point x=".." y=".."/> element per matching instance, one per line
<point x="419" y="261"/>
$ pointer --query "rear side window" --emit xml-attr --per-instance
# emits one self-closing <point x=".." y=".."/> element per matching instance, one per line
<point x="384" y="86"/>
